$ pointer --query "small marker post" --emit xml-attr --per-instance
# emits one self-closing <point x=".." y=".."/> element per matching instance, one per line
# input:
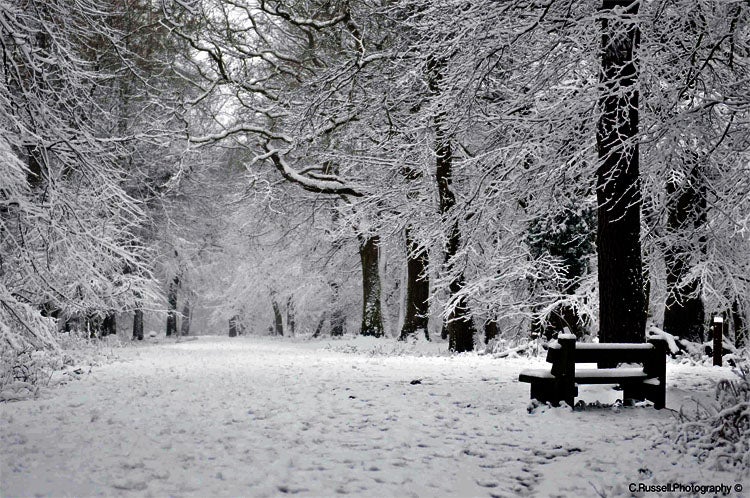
<point x="718" y="329"/>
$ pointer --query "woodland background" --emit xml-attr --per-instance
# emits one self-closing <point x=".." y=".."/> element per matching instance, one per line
<point x="476" y="170"/>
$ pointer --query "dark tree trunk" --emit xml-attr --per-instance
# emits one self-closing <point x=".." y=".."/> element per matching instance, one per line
<point x="338" y="319"/>
<point x="684" y="314"/>
<point x="459" y="328"/>
<point x="233" y="325"/>
<point x="172" y="313"/>
<point x="138" y="324"/>
<point x="490" y="330"/>
<point x="319" y="328"/>
<point x="37" y="171"/>
<point x="622" y="312"/>
<point x="290" y="320"/>
<point x="372" y="317"/>
<point x="278" y="324"/>
<point x="109" y="324"/>
<point x="185" y="325"/>
<point x="338" y="323"/>
<point x="417" y="289"/>
<point x="739" y="323"/>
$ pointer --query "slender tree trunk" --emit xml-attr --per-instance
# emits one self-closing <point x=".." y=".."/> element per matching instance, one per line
<point x="372" y="316"/>
<point x="233" y="323"/>
<point x="338" y="319"/>
<point x="684" y="314"/>
<point x="138" y="324"/>
<point x="338" y="323"/>
<point x="319" y="328"/>
<point x="172" y="313"/>
<point x="185" y="325"/>
<point x="459" y="327"/>
<point x="622" y="313"/>
<point x="278" y="324"/>
<point x="417" y="289"/>
<point x="290" y="320"/>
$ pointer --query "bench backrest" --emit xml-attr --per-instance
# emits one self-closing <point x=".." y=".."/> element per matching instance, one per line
<point x="567" y="352"/>
<point x="610" y="353"/>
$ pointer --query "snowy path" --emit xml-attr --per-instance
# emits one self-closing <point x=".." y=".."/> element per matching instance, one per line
<point x="262" y="417"/>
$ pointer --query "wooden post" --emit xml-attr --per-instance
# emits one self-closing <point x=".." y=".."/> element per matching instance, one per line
<point x="718" y="329"/>
<point x="566" y="376"/>
<point x="656" y="366"/>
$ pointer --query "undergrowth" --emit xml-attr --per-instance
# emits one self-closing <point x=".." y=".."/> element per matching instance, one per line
<point x="718" y="432"/>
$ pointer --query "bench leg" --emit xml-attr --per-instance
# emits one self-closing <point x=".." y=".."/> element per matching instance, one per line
<point x="553" y="392"/>
<point x="632" y="393"/>
<point x="640" y="392"/>
<point x="540" y="391"/>
<point x="657" y="395"/>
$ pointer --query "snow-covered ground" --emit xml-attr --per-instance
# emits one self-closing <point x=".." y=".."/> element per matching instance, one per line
<point x="257" y="417"/>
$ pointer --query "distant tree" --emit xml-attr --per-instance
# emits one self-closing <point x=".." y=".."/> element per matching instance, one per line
<point x="138" y="324"/>
<point x="174" y="285"/>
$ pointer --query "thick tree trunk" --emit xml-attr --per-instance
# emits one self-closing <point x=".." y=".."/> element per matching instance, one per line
<point x="372" y="316"/>
<point x="138" y="324"/>
<point x="459" y="327"/>
<point x="185" y="325"/>
<point x="490" y="330"/>
<point x="290" y="320"/>
<point x="684" y="314"/>
<point x="417" y="289"/>
<point x="172" y="313"/>
<point x="109" y="324"/>
<point x="622" y="312"/>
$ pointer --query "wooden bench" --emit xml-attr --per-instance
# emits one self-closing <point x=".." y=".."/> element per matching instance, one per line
<point x="560" y="383"/>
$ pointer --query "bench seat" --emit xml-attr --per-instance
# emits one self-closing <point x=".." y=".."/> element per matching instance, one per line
<point x="589" y="375"/>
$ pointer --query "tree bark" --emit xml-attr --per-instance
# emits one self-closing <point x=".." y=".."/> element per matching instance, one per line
<point x="185" y="325"/>
<point x="417" y="289"/>
<point x="372" y="317"/>
<point x="622" y="313"/>
<point x="459" y="327"/>
<point x="138" y="324"/>
<point x="172" y="313"/>
<point x="684" y="314"/>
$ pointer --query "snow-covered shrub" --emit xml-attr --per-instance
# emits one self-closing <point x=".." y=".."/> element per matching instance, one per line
<point x="719" y="433"/>
<point x="524" y="347"/>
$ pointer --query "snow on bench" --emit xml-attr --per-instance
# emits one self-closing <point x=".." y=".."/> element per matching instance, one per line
<point x="560" y="382"/>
